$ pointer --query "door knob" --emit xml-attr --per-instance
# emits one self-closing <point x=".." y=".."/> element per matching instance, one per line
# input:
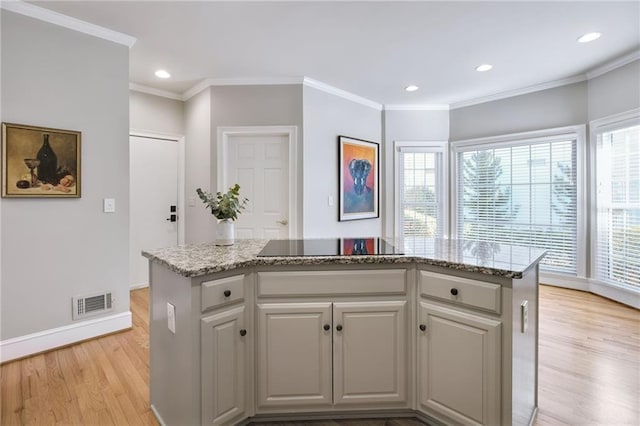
<point x="326" y="327"/>
<point x="283" y="222"/>
<point x="423" y="327"/>
<point x="339" y="327"/>
<point x="243" y="332"/>
<point x="172" y="218"/>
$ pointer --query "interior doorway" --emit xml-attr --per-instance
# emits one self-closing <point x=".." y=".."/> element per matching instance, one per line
<point x="262" y="161"/>
<point x="155" y="199"/>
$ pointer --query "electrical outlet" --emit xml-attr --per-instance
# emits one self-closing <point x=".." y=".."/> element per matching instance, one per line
<point x="524" y="316"/>
<point x="171" y="317"/>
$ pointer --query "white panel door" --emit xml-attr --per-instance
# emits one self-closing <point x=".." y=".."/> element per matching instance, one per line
<point x="153" y="177"/>
<point x="294" y="354"/>
<point x="370" y="352"/>
<point x="459" y="365"/>
<point x="260" y="165"/>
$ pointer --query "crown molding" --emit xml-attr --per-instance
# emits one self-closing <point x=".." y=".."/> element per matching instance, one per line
<point x="46" y="15"/>
<point x="341" y="93"/>
<point x="424" y="107"/>
<point x="517" y="92"/>
<point x="616" y="63"/>
<point x="209" y="82"/>
<point x="157" y="92"/>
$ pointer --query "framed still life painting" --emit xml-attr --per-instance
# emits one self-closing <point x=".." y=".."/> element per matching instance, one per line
<point x="39" y="162"/>
<point x="359" y="179"/>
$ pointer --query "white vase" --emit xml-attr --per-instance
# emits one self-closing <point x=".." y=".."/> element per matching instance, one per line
<point x="224" y="232"/>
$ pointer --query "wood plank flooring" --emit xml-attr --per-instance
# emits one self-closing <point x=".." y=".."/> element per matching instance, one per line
<point x="589" y="371"/>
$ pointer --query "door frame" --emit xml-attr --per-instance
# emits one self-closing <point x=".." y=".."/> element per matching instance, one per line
<point x="182" y="214"/>
<point x="291" y="133"/>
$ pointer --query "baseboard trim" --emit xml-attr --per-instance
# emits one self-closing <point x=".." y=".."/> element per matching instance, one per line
<point x="158" y="417"/>
<point x="138" y="286"/>
<point x="30" y="344"/>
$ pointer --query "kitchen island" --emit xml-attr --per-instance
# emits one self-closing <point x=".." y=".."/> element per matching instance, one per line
<point x="442" y="330"/>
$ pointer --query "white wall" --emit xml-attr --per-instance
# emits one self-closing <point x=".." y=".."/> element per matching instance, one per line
<point x="53" y="249"/>
<point x="615" y="92"/>
<point x="546" y="109"/>
<point x="326" y="117"/>
<point x="406" y="126"/>
<point x="155" y="113"/>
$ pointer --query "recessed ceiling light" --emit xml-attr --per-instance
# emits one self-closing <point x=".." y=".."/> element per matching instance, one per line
<point x="411" y="88"/>
<point x="484" y="67"/>
<point x="162" y="74"/>
<point x="589" y="37"/>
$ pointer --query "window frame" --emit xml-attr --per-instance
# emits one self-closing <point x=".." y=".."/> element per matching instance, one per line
<point x="577" y="132"/>
<point x="438" y="147"/>
<point x="597" y="127"/>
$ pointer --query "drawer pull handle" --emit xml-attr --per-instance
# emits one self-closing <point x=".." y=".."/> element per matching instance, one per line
<point x="454" y="291"/>
<point x="339" y="327"/>
<point x="327" y="327"/>
<point x="227" y="293"/>
<point x="423" y="327"/>
<point x="243" y="332"/>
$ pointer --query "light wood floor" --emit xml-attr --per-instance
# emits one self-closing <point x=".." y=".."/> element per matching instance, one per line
<point x="589" y="371"/>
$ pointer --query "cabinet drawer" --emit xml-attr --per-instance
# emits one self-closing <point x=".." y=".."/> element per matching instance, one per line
<point x="318" y="283"/>
<point x="221" y="292"/>
<point x="477" y="294"/>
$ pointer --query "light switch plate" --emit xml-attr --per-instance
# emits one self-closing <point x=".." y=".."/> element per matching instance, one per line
<point x="171" y="317"/>
<point x="330" y="201"/>
<point x="109" y="205"/>
<point x="524" y="316"/>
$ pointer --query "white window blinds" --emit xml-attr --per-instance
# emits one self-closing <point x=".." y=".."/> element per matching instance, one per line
<point x="420" y="193"/>
<point x="521" y="194"/>
<point x="618" y="207"/>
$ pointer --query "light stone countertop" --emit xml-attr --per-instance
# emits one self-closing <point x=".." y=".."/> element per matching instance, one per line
<point x="463" y="255"/>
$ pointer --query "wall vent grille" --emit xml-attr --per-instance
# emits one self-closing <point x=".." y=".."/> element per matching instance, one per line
<point x="93" y="304"/>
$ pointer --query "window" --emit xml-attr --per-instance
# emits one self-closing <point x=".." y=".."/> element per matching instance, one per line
<point x="522" y="193"/>
<point x="421" y="187"/>
<point x="617" y="158"/>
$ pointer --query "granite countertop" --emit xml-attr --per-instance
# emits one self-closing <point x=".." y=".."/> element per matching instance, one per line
<point x="464" y="255"/>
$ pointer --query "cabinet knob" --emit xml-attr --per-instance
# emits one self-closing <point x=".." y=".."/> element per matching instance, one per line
<point x="227" y="293"/>
<point x="339" y="327"/>
<point x="327" y="327"/>
<point x="423" y="327"/>
<point x="454" y="291"/>
<point x="243" y="332"/>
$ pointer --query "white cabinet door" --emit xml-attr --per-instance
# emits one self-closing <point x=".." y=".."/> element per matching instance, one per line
<point x="370" y="355"/>
<point x="459" y="365"/>
<point x="223" y="366"/>
<point x="294" y="354"/>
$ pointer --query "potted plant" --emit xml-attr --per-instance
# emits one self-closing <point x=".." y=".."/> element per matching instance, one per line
<point x="226" y="208"/>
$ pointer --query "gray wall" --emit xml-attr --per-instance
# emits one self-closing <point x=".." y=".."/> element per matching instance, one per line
<point x="407" y="126"/>
<point x="615" y="92"/>
<point x="53" y="249"/>
<point x="226" y="106"/>
<point x="325" y="118"/>
<point x="155" y="113"/>
<point x="546" y="109"/>
<point x="197" y="112"/>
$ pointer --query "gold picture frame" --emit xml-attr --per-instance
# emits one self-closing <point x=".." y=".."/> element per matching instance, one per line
<point x="40" y="162"/>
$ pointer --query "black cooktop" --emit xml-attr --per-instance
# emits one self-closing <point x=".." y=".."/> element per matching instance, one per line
<point x="329" y="247"/>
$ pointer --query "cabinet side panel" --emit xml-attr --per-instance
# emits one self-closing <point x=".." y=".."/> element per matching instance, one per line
<point x="174" y="358"/>
<point x="525" y="349"/>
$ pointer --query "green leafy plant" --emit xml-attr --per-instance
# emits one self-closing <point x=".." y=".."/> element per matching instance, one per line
<point x="224" y="206"/>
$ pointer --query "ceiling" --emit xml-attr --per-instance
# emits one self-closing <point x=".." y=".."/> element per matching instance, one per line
<point x="371" y="49"/>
